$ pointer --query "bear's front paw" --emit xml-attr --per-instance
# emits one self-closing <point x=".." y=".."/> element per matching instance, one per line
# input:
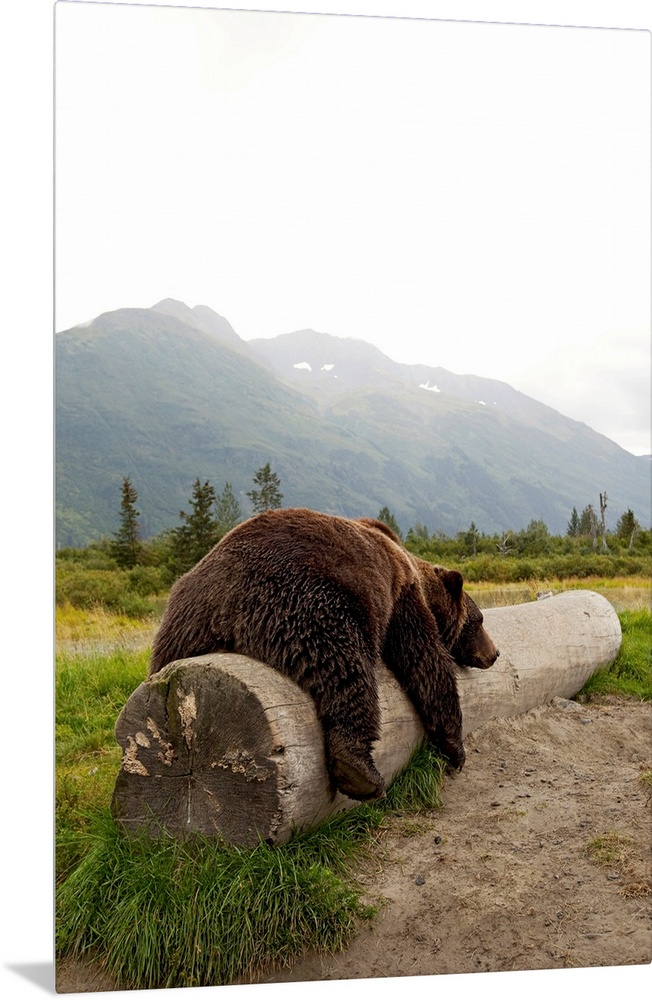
<point x="452" y="749"/>
<point x="456" y="759"/>
<point x="450" y="745"/>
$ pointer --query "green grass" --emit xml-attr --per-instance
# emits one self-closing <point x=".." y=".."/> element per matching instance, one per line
<point x="171" y="914"/>
<point x="608" y="848"/>
<point x="630" y="675"/>
<point x="91" y="690"/>
<point x="166" y="914"/>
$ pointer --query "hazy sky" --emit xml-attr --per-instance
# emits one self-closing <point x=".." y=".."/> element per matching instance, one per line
<point x="475" y="196"/>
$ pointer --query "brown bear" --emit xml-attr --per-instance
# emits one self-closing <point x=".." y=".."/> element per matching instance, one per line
<point x="323" y="599"/>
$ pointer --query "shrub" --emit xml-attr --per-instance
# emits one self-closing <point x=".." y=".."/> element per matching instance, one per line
<point x="97" y="555"/>
<point x="110" y="588"/>
<point x="146" y="580"/>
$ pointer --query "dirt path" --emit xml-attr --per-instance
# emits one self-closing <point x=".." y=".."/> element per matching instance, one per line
<point x="501" y="877"/>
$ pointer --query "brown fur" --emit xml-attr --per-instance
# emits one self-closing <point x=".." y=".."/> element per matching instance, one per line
<point x="323" y="599"/>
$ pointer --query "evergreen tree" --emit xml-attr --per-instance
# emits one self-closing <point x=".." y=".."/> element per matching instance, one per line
<point x="268" y="495"/>
<point x="126" y="548"/>
<point x="228" y="512"/>
<point x="470" y="539"/>
<point x="199" y="531"/>
<point x="588" y="522"/>
<point x="385" y="515"/>
<point x="627" y="527"/>
<point x="573" y="528"/>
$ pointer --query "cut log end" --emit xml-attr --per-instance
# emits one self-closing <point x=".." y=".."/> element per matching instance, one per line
<point x="216" y="745"/>
<point x="226" y="747"/>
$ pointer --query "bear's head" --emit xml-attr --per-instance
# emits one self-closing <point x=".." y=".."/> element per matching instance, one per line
<point x="473" y="646"/>
<point x="459" y="619"/>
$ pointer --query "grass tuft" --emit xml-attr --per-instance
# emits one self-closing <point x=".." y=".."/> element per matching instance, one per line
<point x="227" y="912"/>
<point x="608" y="848"/>
<point x="623" y="855"/>
<point x="165" y="914"/>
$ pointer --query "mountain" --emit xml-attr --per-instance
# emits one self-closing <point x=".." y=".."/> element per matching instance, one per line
<point x="202" y="317"/>
<point x="170" y="394"/>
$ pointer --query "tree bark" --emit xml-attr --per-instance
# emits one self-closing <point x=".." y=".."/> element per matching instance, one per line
<point x="225" y="746"/>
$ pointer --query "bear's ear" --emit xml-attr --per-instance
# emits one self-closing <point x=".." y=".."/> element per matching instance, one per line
<point x="454" y="583"/>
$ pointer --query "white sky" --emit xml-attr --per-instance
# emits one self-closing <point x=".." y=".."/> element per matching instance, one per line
<point x="468" y="195"/>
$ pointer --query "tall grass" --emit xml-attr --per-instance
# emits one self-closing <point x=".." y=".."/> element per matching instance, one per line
<point x="166" y="914"/>
<point x="626" y="593"/>
<point x="98" y="628"/>
<point x="91" y="690"/>
<point x="171" y="914"/>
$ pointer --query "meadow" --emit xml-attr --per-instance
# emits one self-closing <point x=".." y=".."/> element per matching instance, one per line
<point x="228" y="911"/>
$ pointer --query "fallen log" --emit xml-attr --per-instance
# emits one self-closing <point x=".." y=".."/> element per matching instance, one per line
<point x="225" y="746"/>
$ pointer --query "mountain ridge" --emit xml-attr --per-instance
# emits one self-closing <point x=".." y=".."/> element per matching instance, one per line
<point x="466" y="386"/>
<point x="169" y="394"/>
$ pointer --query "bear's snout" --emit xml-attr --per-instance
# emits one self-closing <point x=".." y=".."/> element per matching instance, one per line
<point x="484" y="660"/>
<point x="485" y="653"/>
<point x="474" y="646"/>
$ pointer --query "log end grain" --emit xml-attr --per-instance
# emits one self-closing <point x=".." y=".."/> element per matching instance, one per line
<point x="216" y="745"/>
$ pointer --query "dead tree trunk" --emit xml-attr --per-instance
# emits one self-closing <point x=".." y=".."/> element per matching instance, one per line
<point x="603" y="521"/>
<point x="225" y="746"/>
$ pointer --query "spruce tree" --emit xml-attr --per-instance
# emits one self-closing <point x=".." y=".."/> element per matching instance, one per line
<point x="385" y="515"/>
<point x="627" y="527"/>
<point x="535" y="539"/>
<point x="471" y="539"/>
<point x="227" y="509"/>
<point x="573" y="528"/>
<point x="268" y="495"/>
<point x="126" y="547"/>
<point x="199" y="531"/>
<point x="588" y="521"/>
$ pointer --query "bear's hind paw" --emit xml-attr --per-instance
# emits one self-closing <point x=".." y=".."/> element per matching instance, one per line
<point x="358" y="780"/>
